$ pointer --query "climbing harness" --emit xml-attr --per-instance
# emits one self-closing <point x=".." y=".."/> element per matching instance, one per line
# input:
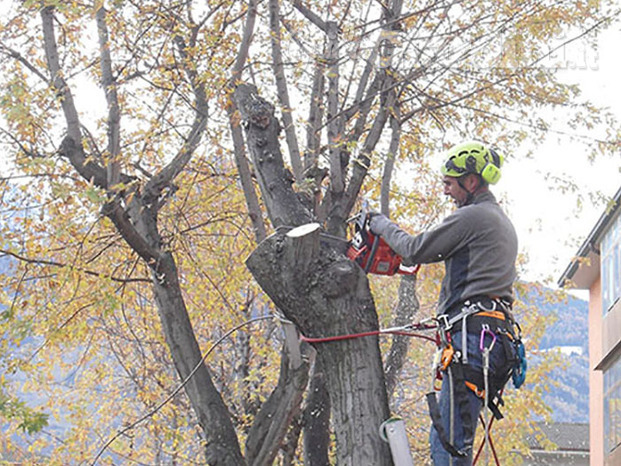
<point x="491" y="318"/>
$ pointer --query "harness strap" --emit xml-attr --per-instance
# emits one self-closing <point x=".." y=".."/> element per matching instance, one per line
<point x="461" y="395"/>
<point x="473" y="316"/>
<point x="499" y="308"/>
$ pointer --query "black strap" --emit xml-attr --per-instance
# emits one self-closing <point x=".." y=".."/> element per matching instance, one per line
<point x="496" y="384"/>
<point x="460" y="391"/>
<point x="436" y="420"/>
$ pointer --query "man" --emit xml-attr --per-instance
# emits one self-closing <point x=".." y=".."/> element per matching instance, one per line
<point x="478" y="245"/>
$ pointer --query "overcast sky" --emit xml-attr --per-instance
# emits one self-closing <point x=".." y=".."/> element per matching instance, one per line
<point x="550" y="226"/>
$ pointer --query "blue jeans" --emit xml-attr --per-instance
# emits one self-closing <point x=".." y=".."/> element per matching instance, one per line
<point x="498" y="365"/>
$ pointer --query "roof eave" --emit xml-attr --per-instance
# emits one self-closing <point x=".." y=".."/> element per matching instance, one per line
<point x="583" y="270"/>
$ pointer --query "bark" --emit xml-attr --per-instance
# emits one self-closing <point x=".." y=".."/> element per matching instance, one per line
<point x="323" y="293"/>
<point x="278" y="412"/>
<point x="315" y="120"/>
<point x="113" y="167"/>
<point x="335" y="127"/>
<point x="389" y="163"/>
<point x="316" y="420"/>
<point x="262" y="129"/>
<point x="243" y="169"/>
<point x="221" y="443"/>
<point x="283" y="91"/>
<point x="406" y="309"/>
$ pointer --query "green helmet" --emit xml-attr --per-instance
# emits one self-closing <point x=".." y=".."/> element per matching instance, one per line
<point x="473" y="157"/>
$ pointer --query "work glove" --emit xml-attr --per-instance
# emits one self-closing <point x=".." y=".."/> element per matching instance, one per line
<point x="377" y="222"/>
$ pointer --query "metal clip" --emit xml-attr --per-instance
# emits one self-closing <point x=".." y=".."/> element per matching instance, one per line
<point x="483" y="308"/>
<point x="447" y="356"/>
<point x="443" y="321"/>
<point x="486" y="330"/>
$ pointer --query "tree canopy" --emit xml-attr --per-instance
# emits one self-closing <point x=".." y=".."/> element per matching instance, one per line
<point x="151" y="146"/>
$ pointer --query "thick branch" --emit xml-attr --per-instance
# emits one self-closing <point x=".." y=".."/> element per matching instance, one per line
<point x="406" y="309"/>
<point x="283" y="92"/>
<point x="63" y="92"/>
<point x="113" y="165"/>
<point x="283" y="205"/>
<point x="389" y="163"/>
<point x="335" y="134"/>
<point x="277" y="413"/>
<point x="315" y="117"/>
<point x="72" y="144"/>
<point x="239" y="150"/>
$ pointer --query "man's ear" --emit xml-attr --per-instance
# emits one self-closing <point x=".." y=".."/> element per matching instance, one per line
<point x="472" y="182"/>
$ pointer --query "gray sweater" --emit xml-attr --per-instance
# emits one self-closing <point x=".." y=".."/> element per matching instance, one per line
<point x="477" y="242"/>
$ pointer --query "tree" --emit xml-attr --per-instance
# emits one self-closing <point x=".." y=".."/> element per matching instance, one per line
<point x="121" y="230"/>
<point x="453" y="82"/>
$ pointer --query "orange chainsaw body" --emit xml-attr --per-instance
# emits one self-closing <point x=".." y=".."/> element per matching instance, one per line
<point x="374" y="255"/>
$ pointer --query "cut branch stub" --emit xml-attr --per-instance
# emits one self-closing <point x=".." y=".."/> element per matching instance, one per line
<point x="315" y="286"/>
<point x="305" y="243"/>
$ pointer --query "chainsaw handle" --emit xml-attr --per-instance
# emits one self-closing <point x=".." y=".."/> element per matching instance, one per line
<point x="374" y="246"/>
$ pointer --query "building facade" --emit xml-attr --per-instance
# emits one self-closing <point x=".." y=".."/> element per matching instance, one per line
<point x="597" y="268"/>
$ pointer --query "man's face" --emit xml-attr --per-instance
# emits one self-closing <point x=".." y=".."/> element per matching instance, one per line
<point x="454" y="191"/>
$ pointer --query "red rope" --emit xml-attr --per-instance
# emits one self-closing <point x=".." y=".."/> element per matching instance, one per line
<point x="365" y="334"/>
<point x="491" y="443"/>
<point x="339" y="337"/>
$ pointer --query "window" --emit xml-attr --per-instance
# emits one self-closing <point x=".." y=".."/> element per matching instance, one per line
<point x="612" y="406"/>
<point x="611" y="265"/>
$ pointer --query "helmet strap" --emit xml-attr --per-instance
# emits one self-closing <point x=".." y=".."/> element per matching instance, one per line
<point x="470" y="194"/>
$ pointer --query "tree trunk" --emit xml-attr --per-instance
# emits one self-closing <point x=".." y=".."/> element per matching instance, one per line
<point x="316" y="420"/>
<point x="407" y="307"/>
<point x="323" y="293"/>
<point x="279" y="410"/>
<point x="222" y="446"/>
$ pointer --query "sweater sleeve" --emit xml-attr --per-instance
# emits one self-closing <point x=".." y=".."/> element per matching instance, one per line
<point x="431" y="246"/>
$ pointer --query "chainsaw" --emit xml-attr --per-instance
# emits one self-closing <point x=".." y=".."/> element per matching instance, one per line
<point x="372" y="253"/>
<point x="369" y="251"/>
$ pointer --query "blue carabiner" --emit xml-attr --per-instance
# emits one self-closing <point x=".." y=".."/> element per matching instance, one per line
<point x="485" y="330"/>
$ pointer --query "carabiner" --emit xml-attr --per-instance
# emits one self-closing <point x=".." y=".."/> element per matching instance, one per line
<point x="485" y="330"/>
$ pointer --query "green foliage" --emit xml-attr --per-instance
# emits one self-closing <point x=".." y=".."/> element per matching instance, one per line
<point x="29" y="420"/>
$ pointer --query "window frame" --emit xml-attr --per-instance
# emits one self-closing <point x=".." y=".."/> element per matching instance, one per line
<point x="612" y="414"/>
<point x="611" y="265"/>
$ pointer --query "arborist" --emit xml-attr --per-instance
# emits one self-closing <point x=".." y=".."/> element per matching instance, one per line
<point x="478" y="337"/>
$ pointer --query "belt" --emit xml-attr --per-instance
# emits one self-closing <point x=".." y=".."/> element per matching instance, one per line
<point x="476" y="306"/>
<point x="483" y="302"/>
